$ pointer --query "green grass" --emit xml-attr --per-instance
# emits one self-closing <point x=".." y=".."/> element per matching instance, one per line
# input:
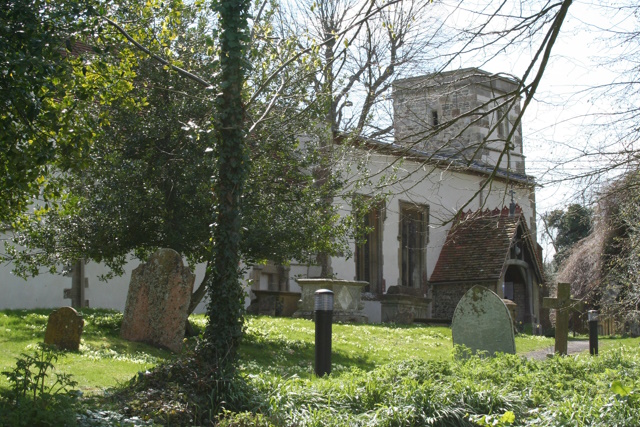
<point x="388" y="375"/>
<point x="103" y="361"/>
<point x="280" y="346"/>
<point x="285" y="347"/>
<point x="617" y="342"/>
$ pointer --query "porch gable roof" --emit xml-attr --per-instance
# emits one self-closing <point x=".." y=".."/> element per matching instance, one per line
<point x="477" y="246"/>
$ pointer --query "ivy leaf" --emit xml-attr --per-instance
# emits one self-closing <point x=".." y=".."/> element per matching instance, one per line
<point x="619" y="389"/>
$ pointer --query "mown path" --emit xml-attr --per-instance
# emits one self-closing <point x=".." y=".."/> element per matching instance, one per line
<point x="573" y="347"/>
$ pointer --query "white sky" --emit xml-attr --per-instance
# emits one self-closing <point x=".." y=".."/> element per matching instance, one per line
<point x="555" y="126"/>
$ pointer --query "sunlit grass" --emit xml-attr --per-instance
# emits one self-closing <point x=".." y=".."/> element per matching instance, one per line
<point x="274" y="346"/>
<point x="285" y="347"/>
<point x="103" y="360"/>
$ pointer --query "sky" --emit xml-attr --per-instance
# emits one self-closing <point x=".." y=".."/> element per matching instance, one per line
<point x="557" y="123"/>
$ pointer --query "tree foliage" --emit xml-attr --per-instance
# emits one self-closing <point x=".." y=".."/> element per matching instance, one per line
<point x="567" y="227"/>
<point x="345" y="48"/>
<point x="147" y="179"/>
<point x="603" y="267"/>
<point x="622" y="253"/>
<point x="39" y="123"/>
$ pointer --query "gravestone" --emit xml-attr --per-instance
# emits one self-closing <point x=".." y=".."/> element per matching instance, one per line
<point x="64" y="329"/>
<point x="158" y="301"/>
<point x="563" y="304"/>
<point x="482" y="323"/>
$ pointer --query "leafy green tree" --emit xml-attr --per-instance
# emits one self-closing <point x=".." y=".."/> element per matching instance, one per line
<point x="147" y="181"/>
<point x="566" y="227"/>
<point x="37" y="117"/>
<point x="227" y="137"/>
<point x="57" y="65"/>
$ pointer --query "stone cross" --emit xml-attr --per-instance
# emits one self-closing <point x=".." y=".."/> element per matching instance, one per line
<point x="562" y="303"/>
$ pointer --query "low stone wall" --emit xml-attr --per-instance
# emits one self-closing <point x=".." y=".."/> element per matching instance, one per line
<point x="274" y="303"/>
<point x="347" y="299"/>
<point x="402" y="308"/>
<point x="447" y="295"/>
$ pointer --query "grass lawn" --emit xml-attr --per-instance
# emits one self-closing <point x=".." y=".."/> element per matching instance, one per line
<point x="286" y="346"/>
<point x="103" y="361"/>
<point x="382" y="375"/>
<point x="280" y="346"/>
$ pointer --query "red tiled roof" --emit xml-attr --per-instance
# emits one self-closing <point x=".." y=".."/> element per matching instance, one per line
<point x="477" y="246"/>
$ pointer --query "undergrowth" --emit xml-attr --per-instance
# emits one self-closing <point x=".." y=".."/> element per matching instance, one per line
<point x="38" y="395"/>
<point x="391" y="386"/>
<point x="507" y="390"/>
<point x="184" y="391"/>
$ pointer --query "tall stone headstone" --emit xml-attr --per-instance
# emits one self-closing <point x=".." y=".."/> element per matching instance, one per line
<point x="482" y="323"/>
<point x="158" y="301"/>
<point x="64" y="329"/>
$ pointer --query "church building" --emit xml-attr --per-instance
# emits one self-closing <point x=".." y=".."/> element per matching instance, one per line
<point x="459" y="211"/>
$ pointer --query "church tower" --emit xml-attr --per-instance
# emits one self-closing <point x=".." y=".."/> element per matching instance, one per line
<point x="466" y="115"/>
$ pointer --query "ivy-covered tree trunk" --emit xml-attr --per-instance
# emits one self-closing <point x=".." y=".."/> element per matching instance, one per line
<point x="226" y="306"/>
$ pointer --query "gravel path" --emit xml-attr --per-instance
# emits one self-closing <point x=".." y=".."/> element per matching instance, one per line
<point x="573" y="347"/>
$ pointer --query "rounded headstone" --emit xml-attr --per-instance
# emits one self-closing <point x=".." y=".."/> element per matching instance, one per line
<point x="64" y="329"/>
<point x="482" y="323"/>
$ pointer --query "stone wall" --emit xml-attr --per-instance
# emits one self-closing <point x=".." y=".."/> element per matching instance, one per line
<point x="447" y="295"/>
<point x="422" y="103"/>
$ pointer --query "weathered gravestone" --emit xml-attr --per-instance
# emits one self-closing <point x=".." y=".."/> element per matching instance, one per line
<point x="482" y="323"/>
<point x="64" y="329"/>
<point x="158" y="301"/>
<point x="563" y="304"/>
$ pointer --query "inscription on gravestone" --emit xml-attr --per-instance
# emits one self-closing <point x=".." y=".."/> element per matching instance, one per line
<point x="64" y="329"/>
<point x="482" y="323"/>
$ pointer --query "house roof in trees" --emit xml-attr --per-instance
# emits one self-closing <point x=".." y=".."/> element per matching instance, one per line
<point x="478" y="246"/>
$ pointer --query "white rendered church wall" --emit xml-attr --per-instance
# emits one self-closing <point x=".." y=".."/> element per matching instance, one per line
<point x="444" y="192"/>
<point x="43" y="291"/>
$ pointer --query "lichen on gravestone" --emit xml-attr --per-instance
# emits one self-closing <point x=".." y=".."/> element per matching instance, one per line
<point x="64" y="329"/>
<point x="158" y="301"/>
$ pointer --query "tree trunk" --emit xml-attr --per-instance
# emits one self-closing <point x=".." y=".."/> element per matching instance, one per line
<point x="226" y="298"/>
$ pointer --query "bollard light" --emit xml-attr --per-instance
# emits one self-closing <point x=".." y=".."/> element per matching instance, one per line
<point x="323" y="310"/>
<point x="593" y="332"/>
<point x="324" y="300"/>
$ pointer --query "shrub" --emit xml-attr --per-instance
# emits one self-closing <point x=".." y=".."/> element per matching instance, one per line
<point x="33" y="399"/>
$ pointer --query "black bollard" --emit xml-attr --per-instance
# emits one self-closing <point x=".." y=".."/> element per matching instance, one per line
<point x="593" y="332"/>
<point x="323" y="309"/>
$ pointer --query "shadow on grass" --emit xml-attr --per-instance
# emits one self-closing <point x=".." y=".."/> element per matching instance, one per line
<point x="101" y="331"/>
<point x="295" y="356"/>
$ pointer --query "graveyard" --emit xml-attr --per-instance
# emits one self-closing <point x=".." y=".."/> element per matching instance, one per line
<point x="383" y="175"/>
<point x="381" y="375"/>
